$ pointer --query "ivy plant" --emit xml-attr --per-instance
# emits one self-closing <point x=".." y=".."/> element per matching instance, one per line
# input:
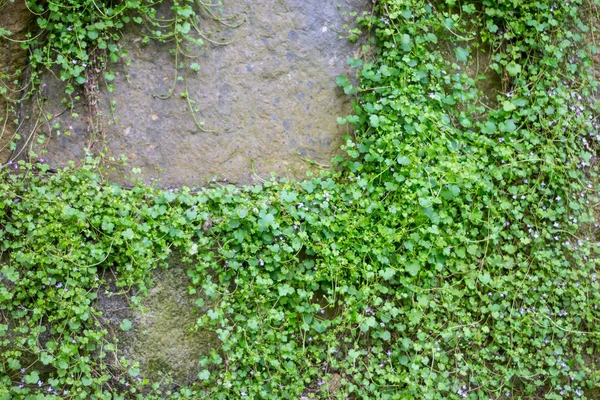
<point x="452" y="253"/>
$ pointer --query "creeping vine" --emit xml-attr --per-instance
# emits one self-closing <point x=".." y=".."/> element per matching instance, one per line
<point x="452" y="253"/>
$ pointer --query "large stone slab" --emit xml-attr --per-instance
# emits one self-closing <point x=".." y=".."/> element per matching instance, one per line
<point x="270" y="94"/>
<point x="162" y="339"/>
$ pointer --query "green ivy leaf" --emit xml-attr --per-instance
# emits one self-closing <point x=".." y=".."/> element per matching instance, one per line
<point x="413" y="267"/>
<point x="107" y="226"/>
<point x="126" y="325"/>
<point x="387" y="273"/>
<point x="374" y="121"/>
<point x="128" y="234"/>
<point x="266" y="221"/>
<point x="508" y="126"/>
<point x="462" y="54"/>
<point x="403" y="160"/>
<point x="484" y="278"/>
<point x="10" y="273"/>
<point x="184" y="28"/>
<point x="308" y="186"/>
<point x="185" y="12"/>
<point x="14" y="364"/>
<point x="508" y="106"/>
<point x="489" y="128"/>
<point x="285" y="290"/>
<point x="342" y="81"/>
<point x="46" y="358"/>
<point x="32" y="377"/>
<point x="289" y="197"/>
<point x="513" y="68"/>
<point x="204" y="375"/>
<point x="354" y="62"/>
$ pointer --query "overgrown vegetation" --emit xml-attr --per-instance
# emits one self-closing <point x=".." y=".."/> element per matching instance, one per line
<point x="72" y="33"/>
<point x="453" y="254"/>
<point x="76" y="40"/>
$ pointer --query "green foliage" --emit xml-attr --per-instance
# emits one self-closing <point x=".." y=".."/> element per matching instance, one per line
<point x="453" y="255"/>
<point x="71" y="34"/>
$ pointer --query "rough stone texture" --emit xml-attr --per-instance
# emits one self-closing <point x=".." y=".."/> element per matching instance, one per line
<point x="270" y="93"/>
<point x="13" y="17"/>
<point x="161" y="339"/>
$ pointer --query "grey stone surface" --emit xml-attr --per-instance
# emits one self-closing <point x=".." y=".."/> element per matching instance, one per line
<point x="270" y="94"/>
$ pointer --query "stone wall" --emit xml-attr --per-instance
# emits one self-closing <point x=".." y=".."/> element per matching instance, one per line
<point x="269" y="94"/>
<point x="13" y="17"/>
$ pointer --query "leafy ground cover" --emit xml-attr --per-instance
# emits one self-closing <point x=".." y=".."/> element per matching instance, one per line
<point x="453" y="254"/>
<point x="72" y="33"/>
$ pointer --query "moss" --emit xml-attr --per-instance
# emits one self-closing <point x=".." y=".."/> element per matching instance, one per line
<point x="162" y="339"/>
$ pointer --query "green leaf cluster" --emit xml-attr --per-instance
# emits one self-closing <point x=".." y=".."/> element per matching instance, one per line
<point x="452" y="254"/>
<point x="74" y="38"/>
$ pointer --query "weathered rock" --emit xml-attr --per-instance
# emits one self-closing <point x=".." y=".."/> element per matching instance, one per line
<point x="161" y="338"/>
<point x="14" y="17"/>
<point x="270" y="94"/>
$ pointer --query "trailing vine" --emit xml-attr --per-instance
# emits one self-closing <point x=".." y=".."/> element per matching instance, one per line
<point x="452" y="254"/>
<point x="76" y="40"/>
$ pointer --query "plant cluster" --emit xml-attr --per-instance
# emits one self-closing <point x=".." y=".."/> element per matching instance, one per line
<point x="75" y="38"/>
<point x="453" y="254"/>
